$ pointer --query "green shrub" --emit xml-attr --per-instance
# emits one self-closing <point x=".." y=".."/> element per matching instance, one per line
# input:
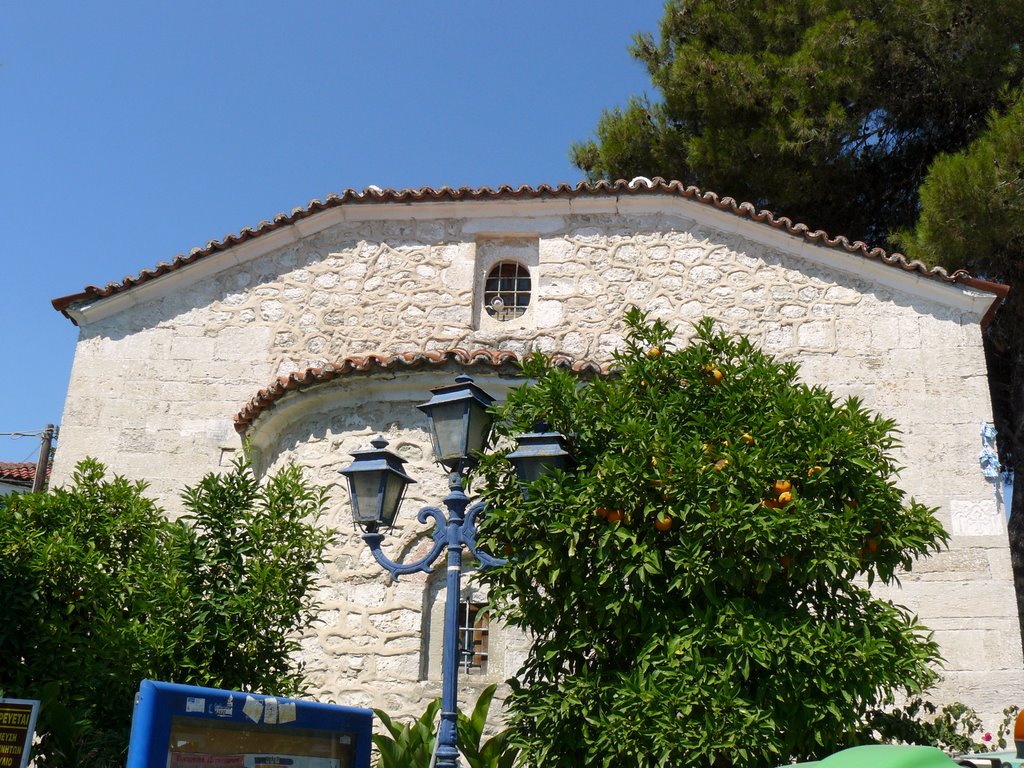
<point x="411" y="745"/>
<point x="955" y="728"/>
<point x="100" y="591"/>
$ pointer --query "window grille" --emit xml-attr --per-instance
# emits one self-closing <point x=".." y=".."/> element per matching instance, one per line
<point x="474" y="624"/>
<point x="507" y="291"/>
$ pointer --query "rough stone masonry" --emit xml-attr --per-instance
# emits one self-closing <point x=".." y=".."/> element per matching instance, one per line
<point x="166" y="364"/>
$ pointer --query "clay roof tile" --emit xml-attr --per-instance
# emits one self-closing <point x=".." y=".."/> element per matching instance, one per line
<point x="19" y="472"/>
<point x="636" y="187"/>
<point x="497" y="360"/>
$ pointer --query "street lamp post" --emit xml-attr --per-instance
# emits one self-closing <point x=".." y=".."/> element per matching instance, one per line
<point x="460" y="422"/>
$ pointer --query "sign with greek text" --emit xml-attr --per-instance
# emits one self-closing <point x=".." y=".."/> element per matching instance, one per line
<point x="17" y="724"/>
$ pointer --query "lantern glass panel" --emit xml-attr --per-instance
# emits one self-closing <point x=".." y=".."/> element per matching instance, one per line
<point x="536" y="467"/>
<point x="479" y="427"/>
<point x="365" y="488"/>
<point x="393" y="492"/>
<point x="530" y="469"/>
<point x="448" y="421"/>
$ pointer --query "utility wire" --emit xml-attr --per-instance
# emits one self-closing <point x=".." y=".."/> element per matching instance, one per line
<point x="47" y="436"/>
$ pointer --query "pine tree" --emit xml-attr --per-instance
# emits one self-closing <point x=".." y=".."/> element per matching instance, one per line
<point x="827" y="111"/>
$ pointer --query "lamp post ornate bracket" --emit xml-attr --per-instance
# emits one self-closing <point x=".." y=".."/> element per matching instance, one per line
<point x="460" y="421"/>
<point x="466" y="534"/>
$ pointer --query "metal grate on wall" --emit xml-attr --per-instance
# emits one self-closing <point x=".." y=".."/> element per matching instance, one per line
<point x="507" y="291"/>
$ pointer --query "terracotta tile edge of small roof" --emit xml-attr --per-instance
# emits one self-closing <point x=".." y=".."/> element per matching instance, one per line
<point x="14" y="471"/>
<point x="999" y="289"/>
<point x="265" y="399"/>
<point x="637" y="186"/>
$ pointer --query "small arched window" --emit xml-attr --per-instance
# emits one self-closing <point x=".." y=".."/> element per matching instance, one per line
<point x="507" y="291"/>
<point x="474" y="631"/>
<point x="480" y="641"/>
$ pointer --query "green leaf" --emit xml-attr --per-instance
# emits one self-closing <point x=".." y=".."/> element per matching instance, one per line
<point x="740" y="635"/>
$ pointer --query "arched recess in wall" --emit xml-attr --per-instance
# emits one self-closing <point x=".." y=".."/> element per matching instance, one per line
<point x="364" y="396"/>
<point x="319" y="422"/>
<point x="354" y="406"/>
<point x="317" y="418"/>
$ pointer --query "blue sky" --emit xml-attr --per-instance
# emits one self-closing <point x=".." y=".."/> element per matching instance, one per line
<point x="133" y="131"/>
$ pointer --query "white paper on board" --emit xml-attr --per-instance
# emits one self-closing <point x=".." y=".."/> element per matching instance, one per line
<point x="253" y="709"/>
<point x="286" y="712"/>
<point x="270" y="711"/>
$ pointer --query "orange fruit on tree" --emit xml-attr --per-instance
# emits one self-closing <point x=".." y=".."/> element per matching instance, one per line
<point x="782" y="486"/>
<point x="601" y="512"/>
<point x="653" y="352"/>
<point x="747" y="438"/>
<point x="663" y="524"/>
<point x="615" y="516"/>
<point x="721" y="464"/>
<point x="785" y="497"/>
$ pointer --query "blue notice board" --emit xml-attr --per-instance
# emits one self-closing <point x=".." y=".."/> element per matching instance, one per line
<point x="185" y="726"/>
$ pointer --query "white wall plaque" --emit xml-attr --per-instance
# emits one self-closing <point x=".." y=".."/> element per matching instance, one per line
<point x="975" y="518"/>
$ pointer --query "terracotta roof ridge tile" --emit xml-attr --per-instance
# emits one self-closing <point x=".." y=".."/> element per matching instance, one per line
<point x="496" y="359"/>
<point x="635" y="187"/>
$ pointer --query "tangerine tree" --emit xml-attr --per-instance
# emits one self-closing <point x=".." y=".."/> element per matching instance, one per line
<point x="696" y="588"/>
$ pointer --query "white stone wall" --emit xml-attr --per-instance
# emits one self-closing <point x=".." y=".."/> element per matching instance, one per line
<point x="367" y="648"/>
<point x="155" y="386"/>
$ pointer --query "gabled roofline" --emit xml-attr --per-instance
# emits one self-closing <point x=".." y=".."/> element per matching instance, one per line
<point x="1001" y="291"/>
<point x="408" y="197"/>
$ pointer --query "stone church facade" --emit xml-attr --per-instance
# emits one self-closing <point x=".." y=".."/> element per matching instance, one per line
<point x="310" y="334"/>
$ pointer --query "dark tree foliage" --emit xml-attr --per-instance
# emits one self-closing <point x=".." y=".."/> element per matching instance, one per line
<point x="827" y="111"/>
<point x="697" y="587"/>
<point x="972" y="202"/>
<point x="99" y="590"/>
